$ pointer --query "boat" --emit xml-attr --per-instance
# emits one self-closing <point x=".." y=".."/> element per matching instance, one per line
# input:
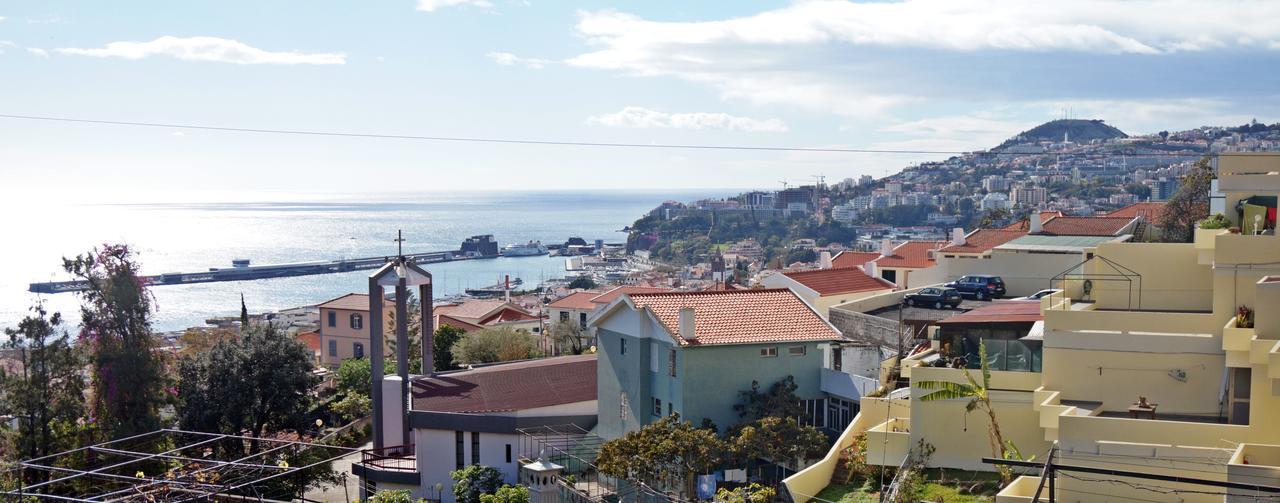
<point x="529" y="249"/>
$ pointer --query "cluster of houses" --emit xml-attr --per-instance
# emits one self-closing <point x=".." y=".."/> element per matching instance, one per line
<point x="1159" y="356"/>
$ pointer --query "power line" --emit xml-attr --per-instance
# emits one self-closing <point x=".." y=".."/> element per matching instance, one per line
<point x="569" y="143"/>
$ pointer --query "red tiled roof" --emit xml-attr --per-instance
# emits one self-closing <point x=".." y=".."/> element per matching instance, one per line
<point x="911" y="255"/>
<point x="839" y="280"/>
<point x="1009" y="311"/>
<point x="444" y="319"/>
<point x="755" y="316"/>
<point x="576" y="300"/>
<point x="310" y="339"/>
<point x="1045" y="216"/>
<point x="508" y="314"/>
<point x="509" y="386"/>
<point x="1086" y="226"/>
<point x="981" y="240"/>
<point x="475" y="309"/>
<point x="608" y="296"/>
<point x="853" y="258"/>
<point x="350" y="302"/>
<point x="1151" y="211"/>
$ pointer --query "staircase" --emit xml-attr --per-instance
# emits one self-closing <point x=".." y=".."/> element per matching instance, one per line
<point x="841" y="473"/>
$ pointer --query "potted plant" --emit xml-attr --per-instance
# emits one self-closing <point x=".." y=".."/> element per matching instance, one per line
<point x="1218" y="221"/>
<point x="1244" y="317"/>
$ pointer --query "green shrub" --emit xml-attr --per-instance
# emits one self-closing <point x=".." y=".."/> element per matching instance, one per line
<point x="1218" y="221"/>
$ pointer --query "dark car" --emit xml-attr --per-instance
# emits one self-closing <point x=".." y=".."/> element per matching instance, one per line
<point x="979" y="286"/>
<point x="934" y="297"/>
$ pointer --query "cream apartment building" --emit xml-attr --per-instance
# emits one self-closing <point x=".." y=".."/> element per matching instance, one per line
<point x="1154" y="320"/>
<point x="344" y="328"/>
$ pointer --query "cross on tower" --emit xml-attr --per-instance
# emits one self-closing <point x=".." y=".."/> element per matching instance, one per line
<point x="399" y="243"/>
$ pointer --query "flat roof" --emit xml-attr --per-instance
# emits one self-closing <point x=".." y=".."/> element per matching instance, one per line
<point x="507" y="387"/>
<point x="1040" y="242"/>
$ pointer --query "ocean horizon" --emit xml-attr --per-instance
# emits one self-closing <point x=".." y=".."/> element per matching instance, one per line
<point x="195" y="236"/>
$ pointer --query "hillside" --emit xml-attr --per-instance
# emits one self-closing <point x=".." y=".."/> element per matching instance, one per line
<point x="1078" y="130"/>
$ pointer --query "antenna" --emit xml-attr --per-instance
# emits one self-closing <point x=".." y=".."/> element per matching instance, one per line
<point x="820" y="178"/>
<point x="784" y="183"/>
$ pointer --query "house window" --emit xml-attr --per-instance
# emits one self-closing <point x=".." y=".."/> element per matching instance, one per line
<point x="671" y="362"/>
<point x="622" y="407"/>
<point x="357" y="322"/>
<point x="622" y="346"/>
<point x="457" y="449"/>
<point x="333" y="348"/>
<point x="333" y="319"/>
<point x="837" y="358"/>
<point x="508" y="453"/>
<point x="564" y="315"/>
<point x="657" y="406"/>
<point x="357" y="349"/>
<point x="796" y="350"/>
<point x="475" y="447"/>
<point x="670" y="410"/>
<point x="582" y="320"/>
<point x="769" y="352"/>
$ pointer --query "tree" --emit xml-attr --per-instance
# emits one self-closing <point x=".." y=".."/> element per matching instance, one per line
<point x="668" y="451"/>
<point x="355" y="375"/>
<point x="391" y="496"/>
<point x="494" y="345"/>
<point x="570" y="335"/>
<point x="473" y="481"/>
<point x="197" y="340"/>
<point x="507" y="494"/>
<point x="779" y="401"/>
<point x="583" y="282"/>
<point x="753" y="493"/>
<point x="978" y="395"/>
<point x="780" y="440"/>
<point x="47" y="394"/>
<point x="801" y="255"/>
<point x="257" y="384"/>
<point x="446" y="337"/>
<point x="244" y="313"/>
<point x="127" y="374"/>
<point x="1187" y="206"/>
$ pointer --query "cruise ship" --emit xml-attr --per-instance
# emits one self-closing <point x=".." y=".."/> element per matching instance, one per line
<point x="525" y="250"/>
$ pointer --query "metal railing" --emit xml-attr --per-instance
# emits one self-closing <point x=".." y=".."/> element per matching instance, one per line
<point x="391" y="458"/>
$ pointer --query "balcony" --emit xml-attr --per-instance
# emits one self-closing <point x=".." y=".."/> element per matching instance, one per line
<point x="393" y="464"/>
<point x="1253" y="464"/>
<point x="888" y="443"/>
<point x="845" y="385"/>
<point x="1249" y="172"/>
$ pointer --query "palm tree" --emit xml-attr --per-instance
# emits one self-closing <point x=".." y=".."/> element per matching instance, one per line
<point x="979" y="396"/>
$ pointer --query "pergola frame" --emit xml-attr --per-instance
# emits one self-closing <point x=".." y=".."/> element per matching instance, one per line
<point x="101" y="472"/>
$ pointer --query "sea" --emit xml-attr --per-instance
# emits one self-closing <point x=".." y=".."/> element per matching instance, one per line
<point x="191" y="237"/>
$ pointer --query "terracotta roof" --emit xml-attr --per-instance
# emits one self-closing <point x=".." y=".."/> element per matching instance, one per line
<point x="475" y="309"/>
<point x="1045" y="216"/>
<point x="839" y="280"/>
<point x="351" y="302"/>
<point x="310" y="339"/>
<point x="1086" y="226"/>
<point x="981" y="240"/>
<point x="755" y="316"/>
<point x="1151" y="211"/>
<point x="509" y="387"/>
<point x="608" y="296"/>
<point x="853" y="258"/>
<point x="1008" y="311"/>
<point x="911" y="255"/>
<point x="576" y="300"/>
<point x="508" y="314"/>
<point x="466" y="326"/>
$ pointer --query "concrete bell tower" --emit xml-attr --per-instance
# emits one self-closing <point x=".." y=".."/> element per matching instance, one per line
<point x="401" y="273"/>
<point x="540" y="477"/>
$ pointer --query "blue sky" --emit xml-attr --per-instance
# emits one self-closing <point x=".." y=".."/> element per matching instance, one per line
<point x="933" y="74"/>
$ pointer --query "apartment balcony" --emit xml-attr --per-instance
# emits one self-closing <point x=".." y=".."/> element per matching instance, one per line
<point x="1249" y="172"/>
<point x="1253" y="464"/>
<point x="845" y="385"/>
<point x="389" y="465"/>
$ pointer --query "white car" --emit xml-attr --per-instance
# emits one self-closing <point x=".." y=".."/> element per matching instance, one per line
<point x="1039" y="295"/>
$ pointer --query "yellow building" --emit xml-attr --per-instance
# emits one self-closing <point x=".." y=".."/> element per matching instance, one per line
<point x="1153" y="320"/>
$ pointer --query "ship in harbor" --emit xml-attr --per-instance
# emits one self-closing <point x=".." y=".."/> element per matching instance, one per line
<point x="529" y="249"/>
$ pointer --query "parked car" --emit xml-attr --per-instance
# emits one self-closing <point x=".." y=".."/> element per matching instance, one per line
<point x="934" y="297"/>
<point x="979" y="286"/>
<point x="1039" y="295"/>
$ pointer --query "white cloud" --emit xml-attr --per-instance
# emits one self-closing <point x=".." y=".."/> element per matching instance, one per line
<point x="433" y="5"/>
<point x="206" y="49"/>
<point x="508" y="59"/>
<point x="829" y="56"/>
<point x="640" y="117"/>
<point x="38" y="52"/>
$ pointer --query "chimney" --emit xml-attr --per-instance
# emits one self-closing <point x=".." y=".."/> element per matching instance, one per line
<point x="686" y="324"/>
<point x="886" y="247"/>
<point x="957" y="236"/>
<point x="824" y="260"/>
<point x="1036" y="226"/>
<point x="870" y="269"/>
<point x="506" y="287"/>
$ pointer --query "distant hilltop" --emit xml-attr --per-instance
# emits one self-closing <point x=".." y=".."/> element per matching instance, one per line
<point x="1076" y="130"/>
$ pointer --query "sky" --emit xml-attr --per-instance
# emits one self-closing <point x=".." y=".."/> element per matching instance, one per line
<point x="913" y="74"/>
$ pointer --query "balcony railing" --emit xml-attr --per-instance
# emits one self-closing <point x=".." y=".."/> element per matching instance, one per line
<point x="398" y="458"/>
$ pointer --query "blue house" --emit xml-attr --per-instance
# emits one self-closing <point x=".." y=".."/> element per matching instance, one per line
<point x="693" y="353"/>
